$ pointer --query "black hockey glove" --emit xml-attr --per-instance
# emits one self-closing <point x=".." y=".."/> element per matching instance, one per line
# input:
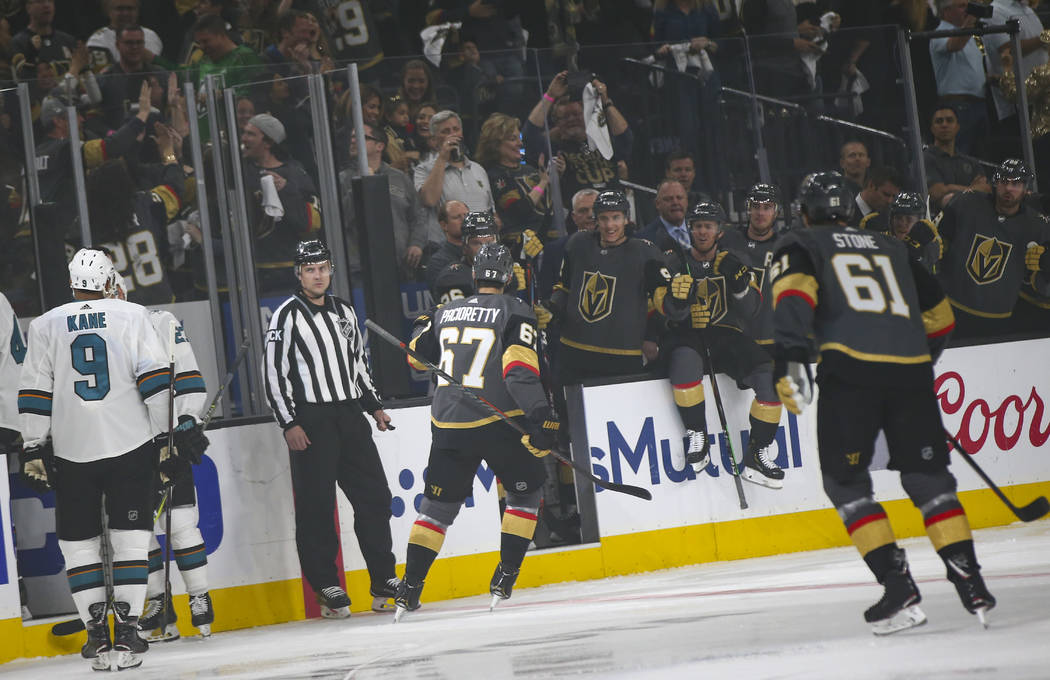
<point x="170" y="464"/>
<point x="738" y="275"/>
<point x="543" y="434"/>
<point x="9" y="442"/>
<point x="190" y="441"/>
<point x="38" y="464"/>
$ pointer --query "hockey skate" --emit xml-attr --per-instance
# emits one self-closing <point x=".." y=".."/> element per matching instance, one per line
<point x="335" y="604"/>
<point x="759" y="467"/>
<point x="201" y="613"/>
<point x="383" y="594"/>
<point x="898" y="608"/>
<point x="407" y="597"/>
<point x="98" y="646"/>
<point x="151" y="627"/>
<point x="965" y="575"/>
<point x="698" y="455"/>
<point x="501" y="585"/>
<point x="128" y="647"/>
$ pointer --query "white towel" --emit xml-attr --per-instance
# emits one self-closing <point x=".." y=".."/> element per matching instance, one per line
<point x="853" y="88"/>
<point x="597" y="127"/>
<point x="271" y="202"/>
<point x="434" y="37"/>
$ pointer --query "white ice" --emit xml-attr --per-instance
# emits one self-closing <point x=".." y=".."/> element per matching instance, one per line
<point x="792" y="616"/>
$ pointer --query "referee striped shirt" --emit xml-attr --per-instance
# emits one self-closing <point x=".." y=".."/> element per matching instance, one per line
<point x="315" y="354"/>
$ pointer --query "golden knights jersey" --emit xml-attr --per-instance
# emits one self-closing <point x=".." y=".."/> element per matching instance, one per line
<point x="603" y="293"/>
<point x="714" y="304"/>
<point x="488" y="343"/>
<point x="12" y="352"/>
<point x="866" y="301"/>
<point x="190" y="392"/>
<point x="95" y="380"/>
<point x="349" y="29"/>
<point x="457" y="281"/>
<point x="983" y="268"/>
<point x="760" y="257"/>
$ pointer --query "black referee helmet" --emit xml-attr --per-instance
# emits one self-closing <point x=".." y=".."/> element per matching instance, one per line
<point x="312" y="251"/>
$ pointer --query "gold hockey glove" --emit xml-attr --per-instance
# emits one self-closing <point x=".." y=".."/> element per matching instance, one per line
<point x="681" y="286"/>
<point x="1036" y="258"/>
<point x="543" y="315"/>
<point x="531" y="243"/>
<point x="794" y="384"/>
<point x="519" y="277"/>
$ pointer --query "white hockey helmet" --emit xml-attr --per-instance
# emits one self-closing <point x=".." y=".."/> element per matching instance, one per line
<point x="91" y="270"/>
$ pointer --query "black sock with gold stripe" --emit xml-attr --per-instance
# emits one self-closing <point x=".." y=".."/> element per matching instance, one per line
<point x="424" y="544"/>
<point x="519" y="524"/>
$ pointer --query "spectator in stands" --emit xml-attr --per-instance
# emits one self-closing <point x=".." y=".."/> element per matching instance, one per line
<point x="290" y="56"/>
<point x="409" y="227"/>
<point x="278" y="224"/>
<point x="397" y="128"/>
<point x="189" y="53"/>
<point x="1035" y="50"/>
<point x="881" y="187"/>
<point x="103" y="42"/>
<point x="450" y="173"/>
<point x="120" y="83"/>
<point x="245" y="111"/>
<point x="417" y="85"/>
<point x="958" y="68"/>
<point x="669" y="230"/>
<point x="222" y="55"/>
<point x="450" y="217"/>
<point x="518" y="189"/>
<point x="584" y="167"/>
<point x="423" y="140"/>
<point x="854" y="161"/>
<point x="947" y="170"/>
<point x="40" y="42"/>
<point x="779" y="70"/>
<point x="580" y="219"/>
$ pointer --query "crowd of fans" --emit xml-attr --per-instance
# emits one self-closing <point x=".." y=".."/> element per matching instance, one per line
<point x="466" y="126"/>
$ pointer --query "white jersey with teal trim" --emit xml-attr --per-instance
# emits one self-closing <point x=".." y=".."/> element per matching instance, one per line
<point x="12" y="352"/>
<point x="190" y="392"/>
<point x="95" y="379"/>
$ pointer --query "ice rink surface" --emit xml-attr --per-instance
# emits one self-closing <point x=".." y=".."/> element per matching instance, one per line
<point x="793" y="616"/>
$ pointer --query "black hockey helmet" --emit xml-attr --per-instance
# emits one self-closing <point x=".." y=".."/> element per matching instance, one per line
<point x="309" y="252"/>
<point x="763" y="193"/>
<point x="908" y="203"/>
<point x="477" y="224"/>
<point x="611" y="201"/>
<point x="1012" y="170"/>
<point x="493" y="264"/>
<point x="824" y="197"/>
<point x="707" y="211"/>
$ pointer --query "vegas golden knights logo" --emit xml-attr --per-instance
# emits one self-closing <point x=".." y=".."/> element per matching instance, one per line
<point x="987" y="259"/>
<point x="596" y="296"/>
<point x="759" y="274"/>
<point x="710" y="305"/>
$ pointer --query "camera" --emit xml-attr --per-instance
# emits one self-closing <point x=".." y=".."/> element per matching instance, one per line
<point x="979" y="9"/>
<point x="577" y="80"/>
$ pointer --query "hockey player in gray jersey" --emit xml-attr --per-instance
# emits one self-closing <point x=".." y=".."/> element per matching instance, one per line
<point x="488" y="342"/>
<point x="92" y="400"/>
<point x="757" y="239"/>
<point x="457" y="279"/>
<point x="157" y="622"/>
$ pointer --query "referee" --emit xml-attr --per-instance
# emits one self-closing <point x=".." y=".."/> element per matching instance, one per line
<point x="318" y="384"/>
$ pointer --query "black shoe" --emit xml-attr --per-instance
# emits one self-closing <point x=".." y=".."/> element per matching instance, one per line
<point x="201" y="613"/>
<point x="335" y="604"/>
<point x="502" y="582"/>
<point x="98" y="644"/>
<point x="759" y="467"/>
<point x="897" y="609"/>
<point x="155" y="625"/>
<point x="965" y="575"/>
<point x="382" y="593"/>
<point x="407" y="597"/>
<point x="127" y="644"/>
<point x="698" y="455"/>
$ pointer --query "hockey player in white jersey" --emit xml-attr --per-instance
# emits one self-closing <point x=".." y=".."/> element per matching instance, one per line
<point x="157" y="622"/>
<point x="93" y="405"/>
<point x="12" y="352"/>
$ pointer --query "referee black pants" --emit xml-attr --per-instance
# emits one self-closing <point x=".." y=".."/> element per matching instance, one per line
<point x="341" y="451"/>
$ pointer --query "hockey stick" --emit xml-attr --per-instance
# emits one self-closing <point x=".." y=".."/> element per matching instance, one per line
<point x="636" y="491"/>
<point x="1026" y="513"/>
<point x="171" y="483"/>
<point x="722" y="419"/>
<point x="63" y="628"/>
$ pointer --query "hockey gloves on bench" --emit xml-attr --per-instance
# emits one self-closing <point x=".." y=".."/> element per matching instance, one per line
<point x="793" y="383"/>
<point x="738" y="275"/>
<point x="37" y="465"/>
<point x="543" y="435"/>
<point x="531" y="243"/>
<point x="682" y="287"/>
